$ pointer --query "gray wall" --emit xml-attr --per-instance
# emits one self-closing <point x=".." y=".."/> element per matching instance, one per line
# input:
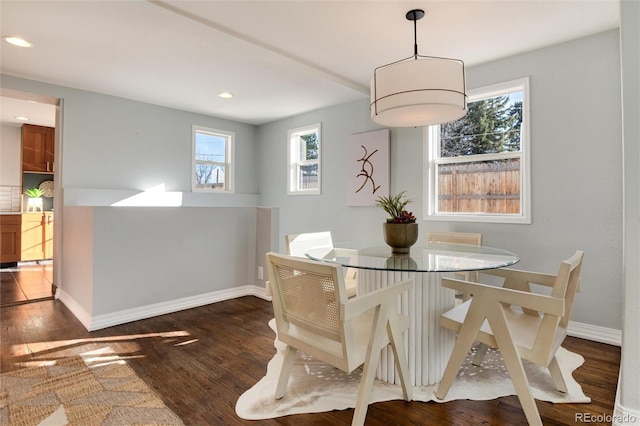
<point x="113" y="144"/>
<point x="575" y="159"/>
<point x="163" y="254"/>
<point x="116" y="143"/>
<point x="115" y="147"/>
<point x="116" y="259"/>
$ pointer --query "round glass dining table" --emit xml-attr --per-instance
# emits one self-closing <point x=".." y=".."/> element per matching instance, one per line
<point x="430" y="257"/>
<point x="428" y="346"/>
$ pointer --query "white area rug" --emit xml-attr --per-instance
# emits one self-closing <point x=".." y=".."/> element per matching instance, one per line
<point x="316" y="387"/>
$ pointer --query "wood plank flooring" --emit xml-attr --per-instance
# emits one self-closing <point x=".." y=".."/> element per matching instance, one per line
<point x="201" y="360"/>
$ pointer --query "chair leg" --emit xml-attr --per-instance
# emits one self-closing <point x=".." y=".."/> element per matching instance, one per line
<point x="285" y="372"/>
<point x="480" y="354"/>
<point x="466" y="337"/>
<point x="400" y="357"/>
<point x="514" y="365"/>
<point x="370" y="365"/>
<point x="556" y="374"/>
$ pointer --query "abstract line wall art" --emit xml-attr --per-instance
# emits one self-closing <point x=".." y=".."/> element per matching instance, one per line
<point x="368" y="167"/>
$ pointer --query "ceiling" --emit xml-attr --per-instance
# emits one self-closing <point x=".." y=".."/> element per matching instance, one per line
<point x="278" y="58"/>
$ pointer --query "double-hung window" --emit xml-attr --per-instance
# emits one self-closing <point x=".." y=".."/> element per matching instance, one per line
<point x="213" y="167"/>
<point x="477" y="167"/>
<point x="303" y="146"/>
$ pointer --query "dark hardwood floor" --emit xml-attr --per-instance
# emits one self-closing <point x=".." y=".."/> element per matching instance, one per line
<point x="201" y="360"/>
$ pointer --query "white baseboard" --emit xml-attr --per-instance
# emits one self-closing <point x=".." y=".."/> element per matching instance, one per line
<point x="260" y="292"/>
<point x="128" y="315"/>
<point x="624" y="416"/>
<point x="595" y="333"/>
<point x="584" y="331"/>
<point x="78" y="311"/>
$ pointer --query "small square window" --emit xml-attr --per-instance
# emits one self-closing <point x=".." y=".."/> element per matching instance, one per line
<point x="304" y="160"/>
<point x="212" y="168"/>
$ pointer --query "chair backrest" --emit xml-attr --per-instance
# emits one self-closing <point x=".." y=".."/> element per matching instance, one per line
<point x="552" y="328"/>
<point x="298" y="244"/>
<point x="468" y="238"/>
<point x="568" y="284"/>
<point x="307" y="297"/>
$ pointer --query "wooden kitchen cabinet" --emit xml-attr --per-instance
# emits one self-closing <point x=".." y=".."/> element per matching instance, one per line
<point x="37" y="236"/>
<point x="10" y="241"/>
<point x="37" y="148"/>
<point x="47" y="224"/>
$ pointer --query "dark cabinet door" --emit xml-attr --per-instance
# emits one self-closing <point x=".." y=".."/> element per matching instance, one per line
<point x="37" y="148"/>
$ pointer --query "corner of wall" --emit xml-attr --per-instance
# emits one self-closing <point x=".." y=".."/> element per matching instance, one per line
<point x="623" y="416"/>
<point x="76" y="309"/>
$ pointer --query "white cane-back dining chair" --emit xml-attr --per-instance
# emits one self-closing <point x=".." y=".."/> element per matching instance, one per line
<point x="299" y="244"/>
<point x="314" y="315"/>
<point x="520" y="323"/>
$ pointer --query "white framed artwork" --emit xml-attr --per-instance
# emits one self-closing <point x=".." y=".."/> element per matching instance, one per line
<point x="368" y="167"/>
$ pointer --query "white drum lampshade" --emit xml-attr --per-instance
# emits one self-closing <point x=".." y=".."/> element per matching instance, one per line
<point x="419" y="90"/>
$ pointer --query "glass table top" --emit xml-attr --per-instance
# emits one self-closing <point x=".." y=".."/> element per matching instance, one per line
<point x="427" y="257"/>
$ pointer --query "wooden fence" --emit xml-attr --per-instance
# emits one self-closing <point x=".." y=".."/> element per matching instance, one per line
<point x="487" y="187"/>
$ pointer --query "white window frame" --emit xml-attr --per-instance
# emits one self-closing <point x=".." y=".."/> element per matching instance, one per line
<point x="293" y="162"/>
<point x="229" y="163"/>
<point x="431" y="144"/>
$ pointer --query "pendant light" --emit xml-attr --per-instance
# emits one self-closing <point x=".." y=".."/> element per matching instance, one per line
<point x="418" y="90"/>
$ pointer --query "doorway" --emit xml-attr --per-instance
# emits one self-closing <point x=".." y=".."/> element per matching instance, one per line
<point x="26" y="282"/>
<point x="29" y="273"/>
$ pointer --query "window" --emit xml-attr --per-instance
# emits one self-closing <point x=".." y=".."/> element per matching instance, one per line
<point x="304" y="160"/>
<point x="213" y="152"/>
<point x="478" y="166"/>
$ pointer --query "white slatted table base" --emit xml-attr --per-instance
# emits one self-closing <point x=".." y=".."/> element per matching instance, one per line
<point x="427" y="344"/>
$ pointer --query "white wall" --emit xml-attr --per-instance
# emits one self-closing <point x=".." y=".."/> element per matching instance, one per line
<point x="576" y="173"/>
<point x="10" y="155"/>
<point x="628" y="397"/>
<point x="77" y="270"/>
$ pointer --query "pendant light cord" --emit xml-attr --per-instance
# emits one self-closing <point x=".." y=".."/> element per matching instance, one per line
<point x="415" y="36"/>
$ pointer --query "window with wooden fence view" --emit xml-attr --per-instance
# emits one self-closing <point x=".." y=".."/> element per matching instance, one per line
<point x="478" y="162"/>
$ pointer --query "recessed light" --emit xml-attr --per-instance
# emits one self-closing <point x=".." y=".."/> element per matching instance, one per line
<point x="17" y="41"/>
<point x="21" y="118"/>
<point x="225" y="95"/>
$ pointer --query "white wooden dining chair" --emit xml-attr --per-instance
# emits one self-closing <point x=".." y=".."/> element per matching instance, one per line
<point x="299" y="244"/>
<point x="520" y="323"/>
<point x="314" y="315"/>
<point x="468" y="238"/>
